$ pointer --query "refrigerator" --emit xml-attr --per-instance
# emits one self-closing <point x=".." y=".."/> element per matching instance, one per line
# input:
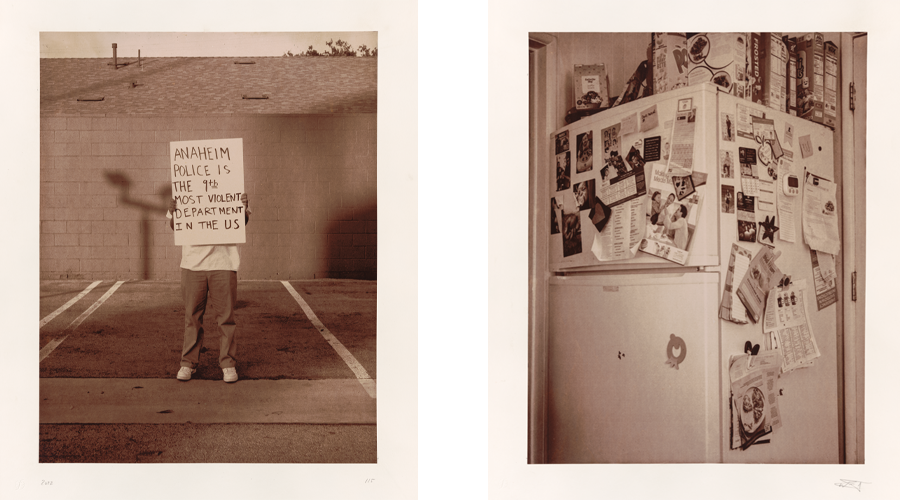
<point x="617" y="316"/>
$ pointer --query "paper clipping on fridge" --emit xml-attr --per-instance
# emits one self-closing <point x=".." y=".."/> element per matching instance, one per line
<point x="824" y="278"/>
<point x="761" y="276"/>
<point x="754" y="400"/>
<point x="786" y="203"/>
<point x="627" y="183"/>
<point x="622" y="235"/>
<point x="681" y="159"/>
<point x="746" y="217"/>
<point x="731" y="308"/>
<point x="787" y="319"/>
<point x="820" y="224"/>
<point x="670" y="223"/>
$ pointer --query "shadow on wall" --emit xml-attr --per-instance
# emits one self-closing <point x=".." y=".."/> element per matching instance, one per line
<point x="123" y="183"/>
<point x="350" y="247"/>
<point x="350" y="250"/>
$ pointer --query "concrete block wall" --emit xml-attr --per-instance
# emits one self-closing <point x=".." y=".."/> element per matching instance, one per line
<point x="105" y="182"/>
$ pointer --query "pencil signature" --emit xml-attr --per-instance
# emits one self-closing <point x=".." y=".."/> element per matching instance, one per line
<point x="849" y="483"/>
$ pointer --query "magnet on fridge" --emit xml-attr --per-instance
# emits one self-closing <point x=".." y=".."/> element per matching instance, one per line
<point x="750" y="348"/>
<point x="599" y="214"/>
<point x="791" y="185"/>
<point x="675" y="343"/>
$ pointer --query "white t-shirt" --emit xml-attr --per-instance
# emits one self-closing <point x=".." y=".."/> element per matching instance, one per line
<point x="209" y="257"/>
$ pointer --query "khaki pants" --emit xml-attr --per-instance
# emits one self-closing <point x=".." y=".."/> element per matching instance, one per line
<point x="219" y="290"/>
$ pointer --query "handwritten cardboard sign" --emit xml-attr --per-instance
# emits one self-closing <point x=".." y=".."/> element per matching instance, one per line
<point x="207" y="183"/>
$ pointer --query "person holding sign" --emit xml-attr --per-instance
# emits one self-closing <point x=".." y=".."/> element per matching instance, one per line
<point x="209" y="275"/>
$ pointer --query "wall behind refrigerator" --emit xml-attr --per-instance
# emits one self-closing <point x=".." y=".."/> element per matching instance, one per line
<point x="622" y="53"/>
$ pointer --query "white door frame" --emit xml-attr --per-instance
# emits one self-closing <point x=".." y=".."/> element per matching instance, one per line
<point x="853" y="70"/>
<point x="542" y="108"/>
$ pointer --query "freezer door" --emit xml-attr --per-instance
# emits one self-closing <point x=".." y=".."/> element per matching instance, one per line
<point x="576" y="166"/>
<point x="613" y="395"/>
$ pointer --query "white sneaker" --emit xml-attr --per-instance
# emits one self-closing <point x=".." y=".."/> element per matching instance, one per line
<point x="185" y="373"/>
<point x="230" y="374"/>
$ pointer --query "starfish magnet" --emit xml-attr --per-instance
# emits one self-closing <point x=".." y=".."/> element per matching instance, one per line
<point x="769" y="229"/>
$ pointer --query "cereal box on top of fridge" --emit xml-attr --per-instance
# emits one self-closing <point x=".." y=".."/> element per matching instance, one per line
<point x="831" y="79"/>
<point x="591" y="86"/>
<point x="719" y="58"/>
<point x="668" y="67"/>
<point x="791" y="98"/>
<point x="755" y="70"/>
<point x="745" y="77"/>
<point x="774" y="65"/>
<point x="811" y="77"/>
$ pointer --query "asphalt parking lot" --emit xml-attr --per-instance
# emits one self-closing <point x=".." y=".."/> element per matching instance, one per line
<point x="306" y="362"/>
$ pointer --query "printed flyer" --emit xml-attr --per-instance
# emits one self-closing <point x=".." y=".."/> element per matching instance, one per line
<point x="826" y="287"/>
<point x="820" y="224"/>
<point x="613" y="162"/>
<point x="620" y="238"/>
<point x="681" y="159"/>
<point x="628" y="185"/>
<point x="670" y="222"/>
<point x="788" y="320"/>
<point x="761" y="276"/>
<point x="749" y="175"/>
<point x="731" y="308"/>
<point x="754" y="400"/>
<point x="746" y="217"/>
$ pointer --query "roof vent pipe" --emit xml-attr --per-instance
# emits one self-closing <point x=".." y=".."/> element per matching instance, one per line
<point x="115" y="58"/>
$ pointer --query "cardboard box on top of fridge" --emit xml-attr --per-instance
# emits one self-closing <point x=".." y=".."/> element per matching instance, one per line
<point x="591" y="86"/>
<point x="667" y="62"/>
<point x="755" y="70"/>
<point x="744" y="90"/>
<point x="831" y="84"/>
<point x="775" y="61"/>
<point x="719" y="58"/>
<point x="811" y="77"/>
<point x="791" y="98"/>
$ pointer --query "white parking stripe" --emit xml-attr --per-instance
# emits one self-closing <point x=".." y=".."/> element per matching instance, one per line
<point x="53" y="344"/>
<point x="68" y="304"/>
<point x="94" y="307"/>
<point x="361" y="374"/>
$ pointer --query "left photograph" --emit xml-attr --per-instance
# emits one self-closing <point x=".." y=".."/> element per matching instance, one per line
<point x="208" y="247"/>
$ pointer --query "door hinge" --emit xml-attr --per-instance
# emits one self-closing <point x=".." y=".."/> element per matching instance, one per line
<point x="853" y="286"/>
<point x="852" y="97"/>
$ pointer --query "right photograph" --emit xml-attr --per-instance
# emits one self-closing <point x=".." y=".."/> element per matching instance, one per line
<point x="697" y="229"/>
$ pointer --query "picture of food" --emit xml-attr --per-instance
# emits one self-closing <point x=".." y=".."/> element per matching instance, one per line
<point x="699" y="48"/>
<point x="722" y="79"/>
<point x="753" y="407"/>
<point x="592" y="98"/>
